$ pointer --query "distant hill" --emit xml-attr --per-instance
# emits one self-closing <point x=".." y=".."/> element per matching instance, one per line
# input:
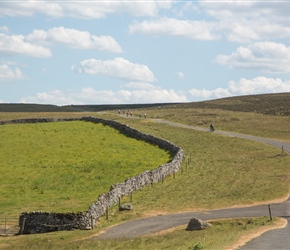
<point x="23" y="107"/>
<point x="19" y="107"/>
<point x="269" y="104"/>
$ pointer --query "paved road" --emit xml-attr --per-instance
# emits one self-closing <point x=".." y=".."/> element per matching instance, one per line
<point x="274" y="239"/>
<point x="272" y="142"/>
<point x="159" y="223"/>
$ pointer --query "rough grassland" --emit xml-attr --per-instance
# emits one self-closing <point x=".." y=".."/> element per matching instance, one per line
<point x="258" y="124"/>
<point x="223" y="171"/>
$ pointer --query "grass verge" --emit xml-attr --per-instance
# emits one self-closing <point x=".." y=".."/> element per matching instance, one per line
<point x="221" y="235"/>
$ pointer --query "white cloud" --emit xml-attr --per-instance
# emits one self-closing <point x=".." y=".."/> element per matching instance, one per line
<point x="82" y="9"/>
<point x="140" y="85"/>
<point x="36" y="43"/>
<point x="156" y="96"/>
<point x="247" y="21"/>
<point x="199" y="30"/>
<point x="22" y="8"/>
<point x="119" y="68"/>
<point x="276" y="10"/>
<point x="10" y="73"/>
<point x="16" y="44"/>
<point x="92" y="96"/>
<point x="56" y="97"/>
<point x="134" y="96"/>
<point x="258" y="85"/>
<point x="186" y="7"/>
<point x="180" y="74"/>
<point x="241" y="22"/>
<point x="73" y="38"/>
<point x="246" y="31"/>
<point x="4" y="29"/>
<point x="240" y="30"/>
<point x="265" y="56"/>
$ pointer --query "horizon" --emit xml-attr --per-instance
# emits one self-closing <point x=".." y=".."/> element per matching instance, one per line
<point x="144" y="104"/>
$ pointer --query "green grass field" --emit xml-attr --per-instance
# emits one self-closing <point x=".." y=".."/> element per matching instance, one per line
<point x="64" y="166"/>
<point x="223" y="172"/>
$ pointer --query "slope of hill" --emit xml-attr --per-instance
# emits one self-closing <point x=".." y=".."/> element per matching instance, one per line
<point x="20" y="107"/>
<point x="269" y="104"/>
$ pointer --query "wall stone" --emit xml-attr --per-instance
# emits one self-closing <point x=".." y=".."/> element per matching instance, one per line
<point x="40" y="222"/>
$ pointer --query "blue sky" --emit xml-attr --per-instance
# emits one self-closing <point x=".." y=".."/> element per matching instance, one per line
<point x="119" y="52"/>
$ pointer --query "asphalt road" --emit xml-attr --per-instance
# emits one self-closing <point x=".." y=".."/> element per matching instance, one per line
<point x="271" y="240"/>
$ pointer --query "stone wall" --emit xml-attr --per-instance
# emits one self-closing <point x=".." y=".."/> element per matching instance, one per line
<point x="38" y="222"/>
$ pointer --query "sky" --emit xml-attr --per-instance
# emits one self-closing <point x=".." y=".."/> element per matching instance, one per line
<point x="127" y="52"/>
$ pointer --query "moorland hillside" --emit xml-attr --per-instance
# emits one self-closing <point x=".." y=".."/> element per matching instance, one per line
<point x="269" y="104"/>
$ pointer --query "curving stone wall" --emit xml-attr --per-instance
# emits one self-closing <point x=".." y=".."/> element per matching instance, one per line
<point x="40" y="222"/>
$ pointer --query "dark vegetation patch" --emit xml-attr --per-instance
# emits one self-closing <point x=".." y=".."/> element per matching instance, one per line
<point x="23" y="107"/>
<point x="268" y="104"/>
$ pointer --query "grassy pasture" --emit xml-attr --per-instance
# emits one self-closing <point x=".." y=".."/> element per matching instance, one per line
<point x="223" y="172"/>
<point x="64" y="166"/>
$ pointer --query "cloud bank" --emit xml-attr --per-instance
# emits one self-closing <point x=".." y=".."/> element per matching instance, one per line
<point x="133" y="92"/>
<point x="264" y="56"/>
<point x="73" y="38"/>
<point x="123" y="96"/>
<point x="37" y="43"/>
<point x="118" y="67"/>
<point x="80" y="9"/>
<point x="257" y="85"/>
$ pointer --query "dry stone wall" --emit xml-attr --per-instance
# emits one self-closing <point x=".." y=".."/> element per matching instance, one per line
<point x="39" y="222"/>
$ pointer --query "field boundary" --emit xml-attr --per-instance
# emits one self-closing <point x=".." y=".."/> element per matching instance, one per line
<point x="8" y="226"/>
<point x="41" y="222"/>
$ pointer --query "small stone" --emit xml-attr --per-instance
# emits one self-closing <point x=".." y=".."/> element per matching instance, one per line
<point x="125" y="207"/>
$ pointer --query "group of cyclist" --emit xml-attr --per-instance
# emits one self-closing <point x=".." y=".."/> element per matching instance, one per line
<point x="129" y="113"/>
